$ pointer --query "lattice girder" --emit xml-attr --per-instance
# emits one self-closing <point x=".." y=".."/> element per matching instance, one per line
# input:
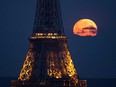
<point x="53" y="55"/>
<point x="48" y="17"/>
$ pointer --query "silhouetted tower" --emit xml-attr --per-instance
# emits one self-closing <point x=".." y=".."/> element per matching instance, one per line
<point x="48" y="61"/>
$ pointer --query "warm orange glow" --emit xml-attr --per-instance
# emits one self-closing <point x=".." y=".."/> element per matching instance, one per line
<point x="54" y="70"/>
<point x="47" y="36"/>
<point x="85" y="27"/>
<point x="26" y="71"/>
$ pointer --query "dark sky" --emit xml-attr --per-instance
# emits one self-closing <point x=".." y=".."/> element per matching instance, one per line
<point x="94" y="57"/>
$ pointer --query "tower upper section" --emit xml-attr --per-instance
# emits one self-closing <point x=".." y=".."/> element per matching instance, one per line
<point x="48" y="18"/>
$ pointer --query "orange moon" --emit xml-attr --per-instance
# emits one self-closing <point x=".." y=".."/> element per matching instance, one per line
<point x="85" y="27"/>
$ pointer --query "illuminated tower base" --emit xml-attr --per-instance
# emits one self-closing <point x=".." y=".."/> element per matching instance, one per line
<point x="48" y="63"/>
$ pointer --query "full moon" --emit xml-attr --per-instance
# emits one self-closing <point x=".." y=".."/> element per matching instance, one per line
<point x="85" y="27"/>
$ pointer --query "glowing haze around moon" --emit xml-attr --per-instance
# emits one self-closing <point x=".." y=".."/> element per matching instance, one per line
<point x="85" y="27"/>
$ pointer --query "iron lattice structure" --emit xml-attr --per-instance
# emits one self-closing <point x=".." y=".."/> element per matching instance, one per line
<point x="48" y="61"/>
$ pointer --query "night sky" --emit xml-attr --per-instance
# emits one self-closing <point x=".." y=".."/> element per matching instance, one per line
<point x="94" y="57"/>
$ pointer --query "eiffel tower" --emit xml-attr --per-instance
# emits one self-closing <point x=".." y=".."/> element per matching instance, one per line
<point x="48" y="61"/>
